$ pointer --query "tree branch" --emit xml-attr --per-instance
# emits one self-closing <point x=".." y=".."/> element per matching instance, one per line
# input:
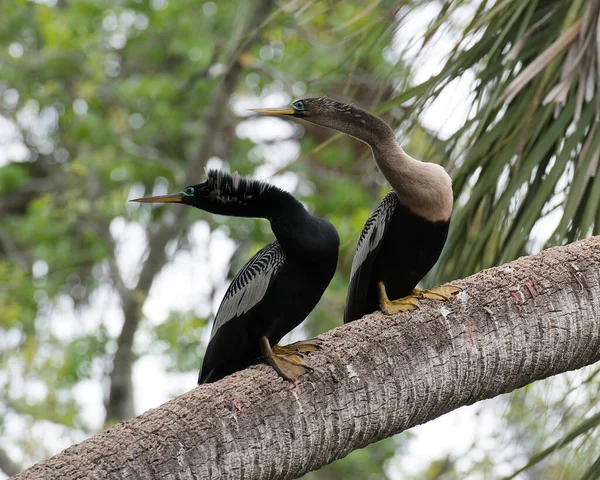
<point x="373" y="378"/>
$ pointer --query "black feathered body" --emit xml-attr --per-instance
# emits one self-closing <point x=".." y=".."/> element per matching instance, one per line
<point x="291" y="295"/>
<point x="397" y="247"/>
<point x="280" y="285"/>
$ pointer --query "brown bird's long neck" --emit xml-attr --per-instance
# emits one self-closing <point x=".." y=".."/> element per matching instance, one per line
<point x="425" y="188"/>
<point x="373" y="131"/>
<point x="366" y="127"/>
<point x="395" y="164"/>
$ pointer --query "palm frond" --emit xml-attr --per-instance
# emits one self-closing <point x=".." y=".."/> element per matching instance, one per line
<point x="584" y="427"/>
<point x="531" y="144"/>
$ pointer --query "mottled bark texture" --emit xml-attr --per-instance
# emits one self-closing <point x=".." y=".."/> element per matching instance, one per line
<point x="512" y="325"/>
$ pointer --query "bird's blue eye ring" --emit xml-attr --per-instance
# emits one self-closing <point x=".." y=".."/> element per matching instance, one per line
<point x="299" y="105"/>
<point x="188" y="192"/>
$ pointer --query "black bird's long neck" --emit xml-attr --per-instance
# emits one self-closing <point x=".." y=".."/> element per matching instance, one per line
<point x="230" y="195"/>
<point x="294" y="227"/>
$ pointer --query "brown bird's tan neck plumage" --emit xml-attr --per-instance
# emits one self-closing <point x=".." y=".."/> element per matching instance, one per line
<point x="425" y="188"/>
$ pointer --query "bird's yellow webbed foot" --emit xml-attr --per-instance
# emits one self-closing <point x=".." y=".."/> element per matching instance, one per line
<point x="437" y="293"/>
<point x="287" y="359"/>
<point x="301" y="347"/>
<point x="389" y="307"/>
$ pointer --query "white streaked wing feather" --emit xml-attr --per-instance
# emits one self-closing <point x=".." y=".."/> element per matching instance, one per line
<point x="374" y="229"/>
<point x="250" y="284"/>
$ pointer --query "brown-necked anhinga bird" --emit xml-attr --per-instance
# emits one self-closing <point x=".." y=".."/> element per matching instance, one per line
<point x="280" y="285"/>
<point x="404" y="237"/>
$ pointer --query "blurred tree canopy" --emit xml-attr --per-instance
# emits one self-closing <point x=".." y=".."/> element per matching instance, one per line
<point x="104" y="101"/>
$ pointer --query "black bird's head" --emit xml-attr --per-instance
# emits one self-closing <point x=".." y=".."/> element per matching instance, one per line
<point x="228" y="194"/>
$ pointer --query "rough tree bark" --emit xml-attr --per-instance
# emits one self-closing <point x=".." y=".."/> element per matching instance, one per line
<point x="512" y="325"/>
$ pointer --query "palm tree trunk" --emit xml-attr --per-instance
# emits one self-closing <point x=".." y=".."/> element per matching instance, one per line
<point x="511" y="325"/>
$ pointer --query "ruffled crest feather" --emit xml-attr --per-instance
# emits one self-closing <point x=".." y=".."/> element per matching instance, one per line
<point x="226" y="187"/>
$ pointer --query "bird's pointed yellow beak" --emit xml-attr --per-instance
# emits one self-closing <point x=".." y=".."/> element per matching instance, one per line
<point x="171" y="198"/>
<point x="274" y="111"/>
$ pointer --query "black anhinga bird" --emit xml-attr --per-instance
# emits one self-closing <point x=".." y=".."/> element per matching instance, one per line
<point x="280" y="285"/>
<point x="404" y="237"/>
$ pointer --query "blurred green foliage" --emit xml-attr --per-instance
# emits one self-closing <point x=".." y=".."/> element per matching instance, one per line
<point x="101" y="101"/>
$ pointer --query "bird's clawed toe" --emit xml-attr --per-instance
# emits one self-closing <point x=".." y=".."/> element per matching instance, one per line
<point x="389" y="307"/>
<point x="301" y="347"/>
<point x="287" y="360"/>
<point x="405" y="304"/>
<point x="437" y="293"/>
<point x="411" y="302"/>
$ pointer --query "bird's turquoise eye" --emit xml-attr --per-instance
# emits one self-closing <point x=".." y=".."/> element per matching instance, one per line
<point x="188" y="192"/>
<point x="298" y="106"/>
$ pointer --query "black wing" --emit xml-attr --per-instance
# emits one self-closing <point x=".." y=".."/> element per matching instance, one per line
<point x="250" y="284"/>
<point x="369" y="244"/>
